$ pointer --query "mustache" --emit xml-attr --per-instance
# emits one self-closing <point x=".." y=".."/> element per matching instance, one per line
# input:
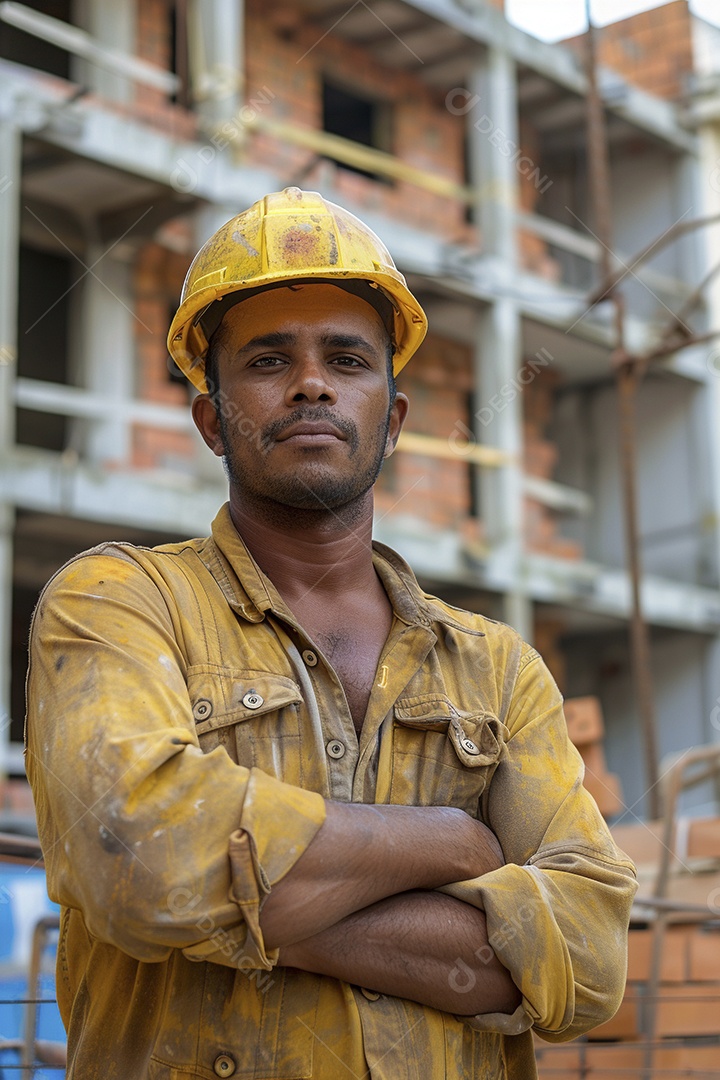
<point x="300" y="415"/>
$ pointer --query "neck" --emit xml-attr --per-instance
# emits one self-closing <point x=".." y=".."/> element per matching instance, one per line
<point x="325" y="553"/>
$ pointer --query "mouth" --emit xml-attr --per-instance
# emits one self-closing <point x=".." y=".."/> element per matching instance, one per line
<point x="311" y="433"/>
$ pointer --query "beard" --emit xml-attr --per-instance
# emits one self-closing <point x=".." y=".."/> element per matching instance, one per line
<point x="319" y="488"/>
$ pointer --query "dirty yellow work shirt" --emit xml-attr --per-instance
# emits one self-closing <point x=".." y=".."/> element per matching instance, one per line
<point x="183" y="733"/>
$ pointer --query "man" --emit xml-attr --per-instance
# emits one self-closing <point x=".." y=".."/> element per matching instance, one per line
<point x="303" y="819"/>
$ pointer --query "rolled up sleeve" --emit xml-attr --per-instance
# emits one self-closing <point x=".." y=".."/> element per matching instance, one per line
<point x="158" y="844"/>
<point x="558" y="911"/>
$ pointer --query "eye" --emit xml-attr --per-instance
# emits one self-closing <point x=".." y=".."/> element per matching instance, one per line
<point x="267" y="362"/>
<point x="348" y="361"/>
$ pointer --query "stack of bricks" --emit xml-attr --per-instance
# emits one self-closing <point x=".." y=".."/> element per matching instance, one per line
<point x="668" y="1026"/>
<point x="686" y="1039"/>
<point x="542" y="532"/>
<point x="586" y="731"/>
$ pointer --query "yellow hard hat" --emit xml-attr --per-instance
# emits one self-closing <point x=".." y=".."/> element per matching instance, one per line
<point x="291" y="235"/>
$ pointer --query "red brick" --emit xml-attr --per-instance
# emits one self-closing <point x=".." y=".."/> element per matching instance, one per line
<point x="704" y="947"/>
<point x="624" y="1025"/>
<point x="688" y="1010"/>
<point x="674" y="962"/>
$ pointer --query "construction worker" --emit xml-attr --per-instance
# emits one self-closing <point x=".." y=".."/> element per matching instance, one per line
<point x="303" y="819"/>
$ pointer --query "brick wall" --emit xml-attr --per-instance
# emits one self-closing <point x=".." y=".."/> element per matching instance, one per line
<point x="438" y="382"/>
<point x="532" y="250"/>
<point x="542" y="525"/>
<point x="289" y="58"/>
<point x="652" y="50"/>
<point x="158" y="279"/>
<point x="154" y="44"/>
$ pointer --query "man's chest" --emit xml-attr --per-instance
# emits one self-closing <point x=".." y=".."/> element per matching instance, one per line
<point x="273" y="702"/>
<point x="354" y="659"/>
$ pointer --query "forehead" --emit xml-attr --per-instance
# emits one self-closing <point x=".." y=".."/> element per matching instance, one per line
<point x="312" y="307"/>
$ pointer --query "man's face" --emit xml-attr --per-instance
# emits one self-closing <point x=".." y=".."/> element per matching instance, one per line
<point x="304" y="416"/>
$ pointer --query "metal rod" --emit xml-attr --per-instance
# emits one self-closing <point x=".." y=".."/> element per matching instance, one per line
<point x="627" y="385"/>
<point x="675" y="232"/>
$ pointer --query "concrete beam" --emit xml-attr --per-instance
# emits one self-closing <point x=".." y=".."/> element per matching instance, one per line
<point x="52" y="483"/>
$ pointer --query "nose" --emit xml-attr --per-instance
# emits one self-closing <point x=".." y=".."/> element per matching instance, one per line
<point x="310" y="381"/>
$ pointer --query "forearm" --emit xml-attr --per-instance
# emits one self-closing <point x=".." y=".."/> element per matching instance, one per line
<point x="366" y="853"/>
<point x="420" y="945"/>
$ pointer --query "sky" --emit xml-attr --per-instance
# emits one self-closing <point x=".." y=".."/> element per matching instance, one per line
<point x="563" y="18"/>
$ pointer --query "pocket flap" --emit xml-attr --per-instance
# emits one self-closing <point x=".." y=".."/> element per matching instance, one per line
<point x="218" y="699"/>
<point x="427" y="712"/>
<point x="477" y="738"/>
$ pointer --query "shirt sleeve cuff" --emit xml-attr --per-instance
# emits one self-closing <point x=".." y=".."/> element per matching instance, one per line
<point x="504" y="1023"/>
<point x="278" y="823"/>
<point x="523" y="933"/>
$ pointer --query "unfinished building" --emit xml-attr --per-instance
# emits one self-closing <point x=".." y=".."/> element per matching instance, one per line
<point x="128" y="132"/>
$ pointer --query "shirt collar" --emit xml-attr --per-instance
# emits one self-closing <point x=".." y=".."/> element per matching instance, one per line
<point x="251" y="593"/>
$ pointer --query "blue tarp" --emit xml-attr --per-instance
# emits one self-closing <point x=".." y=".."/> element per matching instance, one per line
<point x="24" y="900"/>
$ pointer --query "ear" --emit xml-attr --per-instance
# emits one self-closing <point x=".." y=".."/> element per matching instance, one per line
<point x="397" y="419"/>
<point x="207" y="422"/>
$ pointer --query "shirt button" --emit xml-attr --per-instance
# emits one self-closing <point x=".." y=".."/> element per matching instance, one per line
<point x="250" y="701"/>
<point x="224" y="1065"/>
<point x="369" y="994"/>
<point x="469" y="745"/>
<point x="335" y="748"/>
<point x="202" y="709"/>
<point x="310" y="657"/>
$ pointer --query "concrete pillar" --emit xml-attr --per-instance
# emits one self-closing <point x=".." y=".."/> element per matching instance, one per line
<point x="492" y="118"/>
<point x="115" y="26"/>
<point x="217" y="57"/>
<point x="10" y="164"/>
<point x="492" y="127"/>
<point x="105" y="326"/>
<point x="498" y="422"/>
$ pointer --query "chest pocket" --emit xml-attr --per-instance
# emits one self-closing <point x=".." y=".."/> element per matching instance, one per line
<point x="253" y="715"/>
<point x="441" y="755"/>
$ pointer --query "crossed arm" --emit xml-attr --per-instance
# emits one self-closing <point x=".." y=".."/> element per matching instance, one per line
<point x="357" y="906"/>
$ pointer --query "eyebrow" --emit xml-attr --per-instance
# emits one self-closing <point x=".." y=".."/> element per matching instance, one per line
<point x="278" y="338"/>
